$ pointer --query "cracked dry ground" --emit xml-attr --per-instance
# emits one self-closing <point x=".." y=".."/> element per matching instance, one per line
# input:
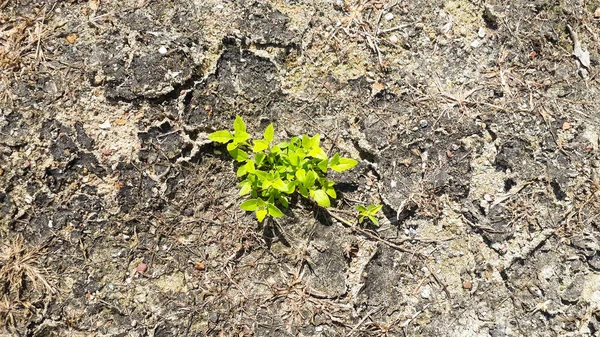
<point x="475" y="123"/>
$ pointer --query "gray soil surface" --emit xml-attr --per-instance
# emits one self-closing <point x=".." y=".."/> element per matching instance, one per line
<point x="476" y="125"/>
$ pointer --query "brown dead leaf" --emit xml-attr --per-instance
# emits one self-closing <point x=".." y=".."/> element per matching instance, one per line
<point x="378" y="86"/>
<point x="71" y="38"/>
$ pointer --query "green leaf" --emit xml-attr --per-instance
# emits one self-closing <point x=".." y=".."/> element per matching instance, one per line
<point x="241" y="137"/>
<point x="222" y="136"/>
<point x="311" y="177"/>
<point x="283" y="145"/>
<point x="321" y="198"/>
<point x="318" y="153"/>
<point x="309" y="143"/>
<point x="283" y="201"/>
<point x="360" y="208"/>
<point x="306" y="142"/>
<point x="301" y="175"/>
<point x="238" y="155"/>
<point x="250" y="166"/>
<point x="250" y="205"/>
<point x="260" y="145"/>
<point x="274" y="211"/>
<point x="238" y="125"/>
<point x="241" y="171"/>
<point x="262" y="175"/>
<point x="344" y="164"/>
<point x="373" y="209"/>
<point x="374" y="219"/>
<point x="258" y="158"/>
<point x="315" y="141"/>
<point x="303" y="191"/>
<point x="269" y="133"/>
<point x="331" y="192"/>
<point x="246" y="187"/>
<point x="261" y="214"/>
<point x="291" y="187"/>
<point x="280" y="185"/>
<point x="323" y="165"/>
<point x="335" y="160"/>
<point x="294" y="159"/>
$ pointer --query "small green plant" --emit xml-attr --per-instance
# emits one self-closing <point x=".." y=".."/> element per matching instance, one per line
<point x="272" y="173"/>
<point x="368" y="212"/>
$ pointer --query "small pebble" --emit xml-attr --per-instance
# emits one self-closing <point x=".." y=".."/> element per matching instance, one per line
<point x="141" y="268"/>
<point x="481" y="32"/>
<point x="162" y="50"/>
<point x="475" y="44"/>
<point x="426" y="292"/>
<point x="597" y="13"/>
<point x="105" y="125"/>
<point x="467" y="285"/>
<point x="423" y="123"/>
<point x="389" y="17"/>
<point x="394" y="39"/>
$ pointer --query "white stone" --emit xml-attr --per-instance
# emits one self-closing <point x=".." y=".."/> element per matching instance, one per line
<point x="481" y="32"/>
<point x="105" y="125"/>
<point x="426" y="292"/>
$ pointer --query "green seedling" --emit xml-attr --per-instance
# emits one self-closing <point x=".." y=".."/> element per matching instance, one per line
<point x="271" y="173"/>
<point x="368" y="212"/>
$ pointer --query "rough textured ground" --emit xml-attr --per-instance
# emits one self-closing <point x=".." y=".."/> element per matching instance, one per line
<point x="476" y="124"/>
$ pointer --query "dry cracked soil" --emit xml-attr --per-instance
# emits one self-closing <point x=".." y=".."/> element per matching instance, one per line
<point x="475" y="124"/>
